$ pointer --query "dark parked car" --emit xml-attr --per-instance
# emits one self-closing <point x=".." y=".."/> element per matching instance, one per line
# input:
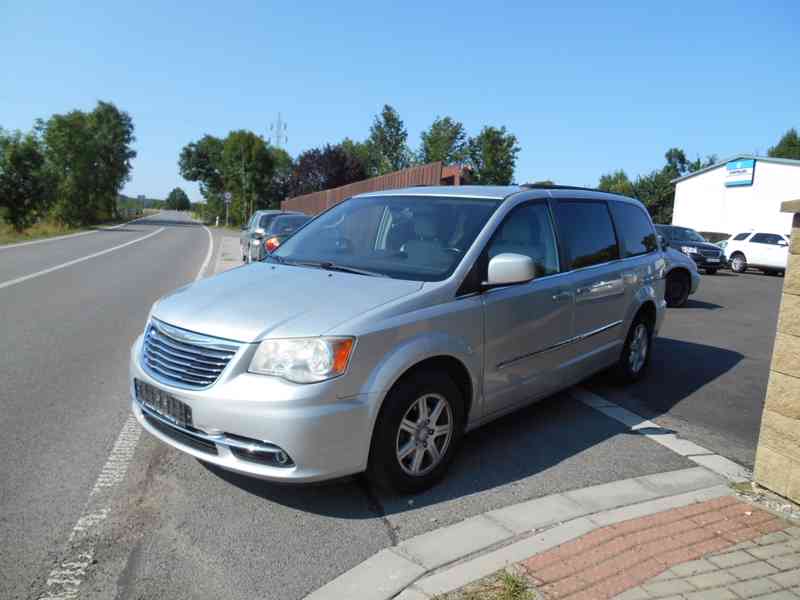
<point x="706" y="255"/>
<point x="281" y="228"/>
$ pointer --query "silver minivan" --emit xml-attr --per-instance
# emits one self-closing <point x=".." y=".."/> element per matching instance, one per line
<point x="403" y="320"/>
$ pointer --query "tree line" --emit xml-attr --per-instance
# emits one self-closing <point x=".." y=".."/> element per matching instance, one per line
<point x="259" y="175"/>
<point x="69" y="168"/>
<point x="655" y="189"/>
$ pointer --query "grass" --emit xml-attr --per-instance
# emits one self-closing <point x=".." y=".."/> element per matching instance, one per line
<point x="501" y="586"/>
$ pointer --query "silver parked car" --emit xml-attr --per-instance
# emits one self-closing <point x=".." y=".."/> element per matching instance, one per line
<point x="405" y="318"/>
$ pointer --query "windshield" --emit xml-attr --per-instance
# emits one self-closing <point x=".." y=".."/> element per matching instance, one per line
<point x="421" y="238"/>
<point x="680" y="234"/>
<point x="288" y="223"/>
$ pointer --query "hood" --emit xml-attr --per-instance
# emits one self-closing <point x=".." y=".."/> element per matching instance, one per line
<point x="676" y="257"/>
<point x="262" y="300"/>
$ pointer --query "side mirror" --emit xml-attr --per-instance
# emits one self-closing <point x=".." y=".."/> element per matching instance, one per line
<point x="508" y="268"/>
<point x="783" y="243"/>
<point x="243" y="227"/>
<point x="259" y="233"/>
<point x="663" y="242"/>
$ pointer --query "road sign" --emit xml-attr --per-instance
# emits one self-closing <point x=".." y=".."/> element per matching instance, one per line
<point x="227" y="196"/>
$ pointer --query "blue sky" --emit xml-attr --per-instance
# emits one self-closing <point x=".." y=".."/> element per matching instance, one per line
<point x="586" y="87"/>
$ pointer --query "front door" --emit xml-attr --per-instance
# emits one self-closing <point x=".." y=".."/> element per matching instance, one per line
<point x="527" y="326"/>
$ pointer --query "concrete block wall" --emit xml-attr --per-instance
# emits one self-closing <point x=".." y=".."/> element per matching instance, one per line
<point x="778" y="454"/>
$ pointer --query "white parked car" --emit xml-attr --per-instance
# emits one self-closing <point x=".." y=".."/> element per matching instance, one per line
<point x="768" y="252"/>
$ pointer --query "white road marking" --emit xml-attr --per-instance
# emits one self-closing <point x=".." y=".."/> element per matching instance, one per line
<point x="64" y="581"/>
<point x="208" y="255"/>
<point x="11" y="282"/>
<point x="69" y="235"/>
<point x="653" y="431"/>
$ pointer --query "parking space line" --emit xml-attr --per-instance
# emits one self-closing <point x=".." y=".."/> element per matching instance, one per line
<point x="11" y="282"/>
<point x="670" y="440"/>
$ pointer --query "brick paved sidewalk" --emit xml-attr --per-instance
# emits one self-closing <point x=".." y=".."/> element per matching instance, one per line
<point x="715" y="550"/>
<point x="723" y="548"/>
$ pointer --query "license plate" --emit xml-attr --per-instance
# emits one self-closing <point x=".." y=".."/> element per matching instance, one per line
<point x="164" y="404"/>
<point x="713" y="260"/>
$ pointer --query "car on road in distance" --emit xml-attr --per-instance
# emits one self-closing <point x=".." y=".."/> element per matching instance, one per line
<point x="256" y="228"/>
<point x="682" y="277"/>
<point x="768" y="252"/>
<point x="404" y="319"/>
<point x="706" y="255"/>
<point x="281" y="228"/>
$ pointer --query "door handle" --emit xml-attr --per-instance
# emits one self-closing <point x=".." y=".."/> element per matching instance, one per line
<point x="561" y="296"/>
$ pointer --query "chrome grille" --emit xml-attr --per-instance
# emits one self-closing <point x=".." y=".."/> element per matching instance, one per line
<point x="183" y="358"/>
<point x="711" y="253"/>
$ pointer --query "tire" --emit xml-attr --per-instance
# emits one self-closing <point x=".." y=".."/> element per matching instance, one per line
<point x="711" y="271"/>
<point x="678" y="287"/>
<point x="397" y="428"/>
<point x="636" y="352"/>
<point x="738" y="263"/>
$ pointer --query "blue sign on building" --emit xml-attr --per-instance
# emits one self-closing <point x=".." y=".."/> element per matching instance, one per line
<point x="740" y="172"/>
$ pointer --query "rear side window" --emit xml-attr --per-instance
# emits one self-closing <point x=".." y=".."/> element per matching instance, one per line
<point x="740" y="237"/>
<point x="766" y="238"/>
<point x="634" y="229"/>
<point x="587" y="233"/>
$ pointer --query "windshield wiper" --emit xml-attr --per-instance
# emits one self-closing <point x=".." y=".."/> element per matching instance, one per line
<point x="331" y="266"/>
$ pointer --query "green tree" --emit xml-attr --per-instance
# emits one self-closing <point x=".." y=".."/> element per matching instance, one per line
<point x="617" y="183"/>
<point x="201" y="161"/>
<point x="90" y="155"/>
<point x="178" y="200"/>
<point x="492" y="156"/>
<point x="787" y="147"/>
<point x="387" y="140"/>
<point x="278" y="188"/>
<point x="25" y="184"/>
<point x="247" y="167"/>
<point x="445" y="140"/>
<point x="365" y="153"/>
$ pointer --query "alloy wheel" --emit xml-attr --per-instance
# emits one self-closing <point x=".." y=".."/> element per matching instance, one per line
<point x="425" y="433"/>
<point x="639" y="347"/>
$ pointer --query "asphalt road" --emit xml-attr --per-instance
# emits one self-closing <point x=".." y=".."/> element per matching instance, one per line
<point x="180" y="529"/>
<point x="64" y="340"/>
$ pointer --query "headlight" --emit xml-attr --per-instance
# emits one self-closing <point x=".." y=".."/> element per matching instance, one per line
<point x="688" y="249"/>
<point x="303" y="360"/>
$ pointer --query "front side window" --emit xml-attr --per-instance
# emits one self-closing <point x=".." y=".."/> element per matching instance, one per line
<point x="265" y="221"/>
<point x="740" y="237"/>
<point x="528" y="230"/>
<point x="586" y="232"/>
<point x="634" y="229"/>
<point x="420" y="238"/>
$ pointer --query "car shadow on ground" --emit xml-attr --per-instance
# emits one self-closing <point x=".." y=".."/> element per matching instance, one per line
<point x="515" y="447"/>
<point x="690" y="303"/>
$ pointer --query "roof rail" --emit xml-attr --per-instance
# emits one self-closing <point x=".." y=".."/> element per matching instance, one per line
<point x="554" y="186"/>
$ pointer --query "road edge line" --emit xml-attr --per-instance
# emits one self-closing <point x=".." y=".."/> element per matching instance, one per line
<point x="210" y="252"/>
<point x="76" y="261"/>
<point x="63" y="237"/>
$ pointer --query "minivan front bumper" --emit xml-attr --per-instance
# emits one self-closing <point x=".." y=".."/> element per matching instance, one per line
<point x="243" y="417"/>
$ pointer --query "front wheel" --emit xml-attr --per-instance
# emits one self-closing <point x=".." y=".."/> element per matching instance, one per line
<point x="419" y="429"/>
<point x="636" y="352"/>
<point x="678" y="288"/>
<point x="738" y="263"/>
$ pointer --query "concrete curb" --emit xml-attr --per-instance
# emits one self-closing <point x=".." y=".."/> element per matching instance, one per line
<point x="485" y="544"/>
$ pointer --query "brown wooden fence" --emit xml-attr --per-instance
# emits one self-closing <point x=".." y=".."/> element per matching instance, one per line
<point x="315" y="203"/>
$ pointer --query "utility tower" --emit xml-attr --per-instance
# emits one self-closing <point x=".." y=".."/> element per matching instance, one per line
<point x="277" y="132"/>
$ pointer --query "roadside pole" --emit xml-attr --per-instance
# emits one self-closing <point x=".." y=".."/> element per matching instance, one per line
<point x="227" y="196"/>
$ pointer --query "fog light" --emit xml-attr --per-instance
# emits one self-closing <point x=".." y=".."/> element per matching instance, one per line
<point x="282" y="458"/>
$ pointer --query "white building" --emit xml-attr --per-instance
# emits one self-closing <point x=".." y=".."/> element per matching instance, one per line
<point x="739" y="194"/>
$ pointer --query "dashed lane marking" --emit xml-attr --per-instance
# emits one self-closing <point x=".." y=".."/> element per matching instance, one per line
<point x="64" y="581"/>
